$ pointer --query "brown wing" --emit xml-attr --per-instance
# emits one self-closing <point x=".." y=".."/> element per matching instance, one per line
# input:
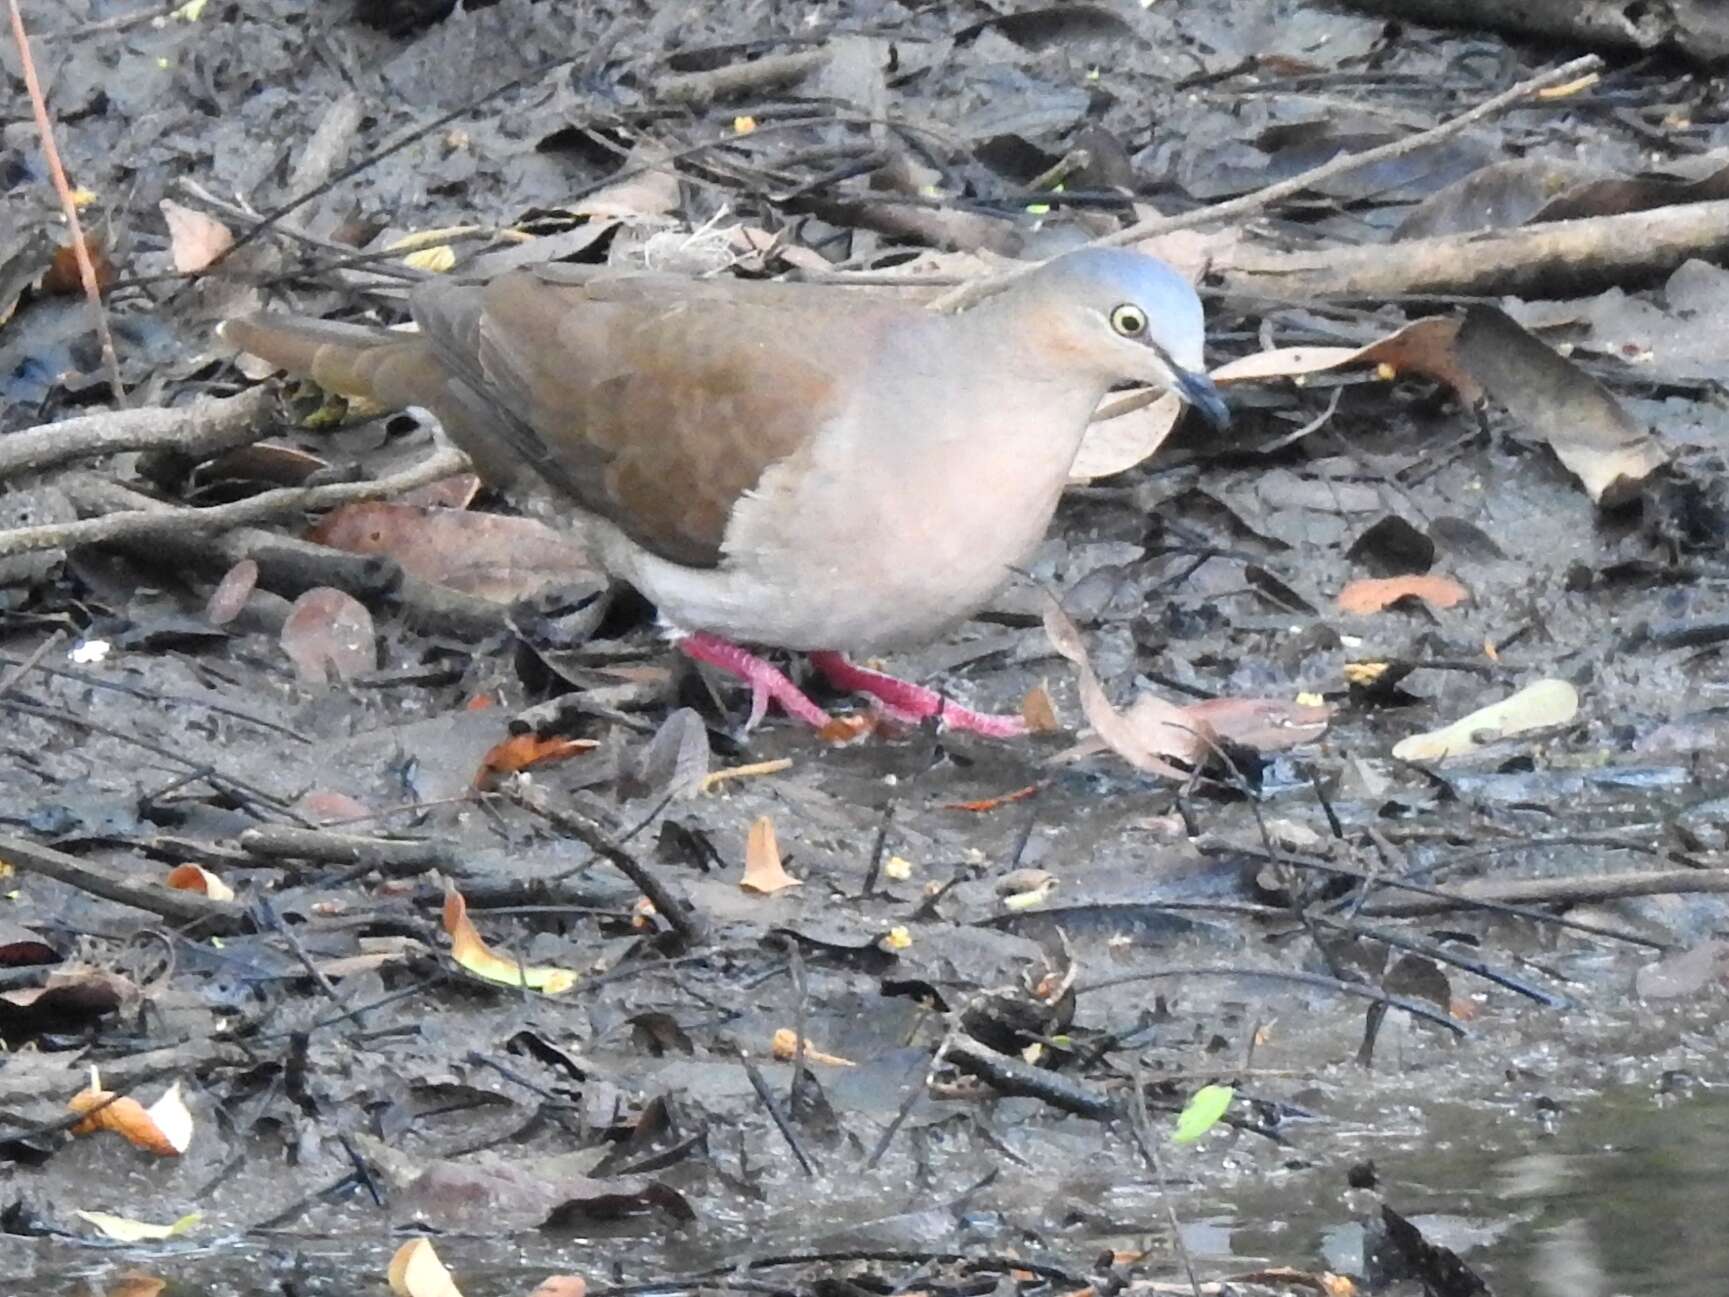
<point x="653" y="401"/>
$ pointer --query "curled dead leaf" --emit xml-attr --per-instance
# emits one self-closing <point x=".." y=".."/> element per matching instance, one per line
<point x="470" y="950"/>
<point x="763" y="871"/>
<point x="785" y="1048"/>
<point x="521" y="751"/>
<point x="1591" y="432"/>
<point x="196" y="878"/>
<point x="416" y="1271"/>
<point x="1145" y="735"/>
<point x="1151" y="732"/>
<point x="164" y="1128"/>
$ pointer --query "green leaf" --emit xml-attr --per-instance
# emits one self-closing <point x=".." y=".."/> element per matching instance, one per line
<point x="1202" y="1112"/>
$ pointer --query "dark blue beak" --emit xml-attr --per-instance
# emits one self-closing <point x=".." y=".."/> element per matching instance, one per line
<point x="1198" y="391"/>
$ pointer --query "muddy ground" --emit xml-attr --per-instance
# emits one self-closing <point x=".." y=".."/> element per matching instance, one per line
<point x="1527" y="1065"/>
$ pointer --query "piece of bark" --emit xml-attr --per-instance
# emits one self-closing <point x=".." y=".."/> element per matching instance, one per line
<point x="1696" y="28"/>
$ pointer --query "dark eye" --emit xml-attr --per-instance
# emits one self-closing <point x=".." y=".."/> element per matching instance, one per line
<point x="1130" y="321"/>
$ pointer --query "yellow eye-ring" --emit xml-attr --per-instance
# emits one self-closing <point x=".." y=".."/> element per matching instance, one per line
<point x="1130" y="321"/>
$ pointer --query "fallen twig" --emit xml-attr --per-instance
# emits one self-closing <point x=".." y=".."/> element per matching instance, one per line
<point x="697" y="88"/>
<point x="1550" y="258"/>
<point x="1550" y="891"/>
<point x="393" y="857"/>
<point x="136" y="888"/>
<point x="207" y="428"/>
<point x="978" y="289"/>
<point x="169" y="520"/>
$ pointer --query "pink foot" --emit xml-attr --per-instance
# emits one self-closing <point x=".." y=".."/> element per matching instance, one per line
<point x="906" y="701"/>
<point x="765" y="681"/>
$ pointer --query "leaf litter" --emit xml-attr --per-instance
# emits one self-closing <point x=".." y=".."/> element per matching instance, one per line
<point x="1408" y="442"/>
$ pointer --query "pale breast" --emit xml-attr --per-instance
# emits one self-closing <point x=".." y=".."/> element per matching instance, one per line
<point x="881" y="533"/>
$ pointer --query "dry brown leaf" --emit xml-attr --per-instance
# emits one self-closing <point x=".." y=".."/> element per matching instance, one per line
<point x="647" y="187"/>
<point x="329" y="634"/>
<point x="1128" y="428"/>
<point x="762" y="866"/>
<point x="327" y="806"/>
<point x="1039" y="712"/>
<point x="842" y="730"/>
<point x="1125" y="430"/>
<point x="492" y="556"/>
<point x="1264" y="724"/>
<point x="1150" y="731"/>
<point x="264" y="461"/>
<point x="194" y="239"/>
<point x="455" y="492"/>
<point x="1591" y="432"/>
<point x="63" y="279"/>
<point x="785" y="1049"/>
<point x="232" y="592"/>
<point x="1371" y="594"/>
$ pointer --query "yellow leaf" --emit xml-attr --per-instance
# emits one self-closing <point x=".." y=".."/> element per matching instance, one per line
<point x="433" y="260"/>
<point x="470" y="950"/>
<point x="126" y="1230"/>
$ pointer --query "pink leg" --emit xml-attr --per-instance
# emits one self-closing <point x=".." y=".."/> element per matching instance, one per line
<point x="764" y="680"/>
<point x="907" y="701"/>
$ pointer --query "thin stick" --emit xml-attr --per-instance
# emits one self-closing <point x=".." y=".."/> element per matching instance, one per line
<point x="979" y="289"/>
<point x="134" y="523"/>
<point x="80" y="253"/>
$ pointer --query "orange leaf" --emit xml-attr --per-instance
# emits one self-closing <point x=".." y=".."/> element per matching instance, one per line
<point x="164" y="1128"/>
<point x="762" y="868"/>
<point x="194" y="239"/>
<point x="520" y="751"/>
<point x="195" y="878"/>
<point x="416" y="1271"/>
<point x="991" y="803"/>
<point x="785" y="1048"/>
<point x="842" y="730"/>
<point x="1371" y="594"/>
